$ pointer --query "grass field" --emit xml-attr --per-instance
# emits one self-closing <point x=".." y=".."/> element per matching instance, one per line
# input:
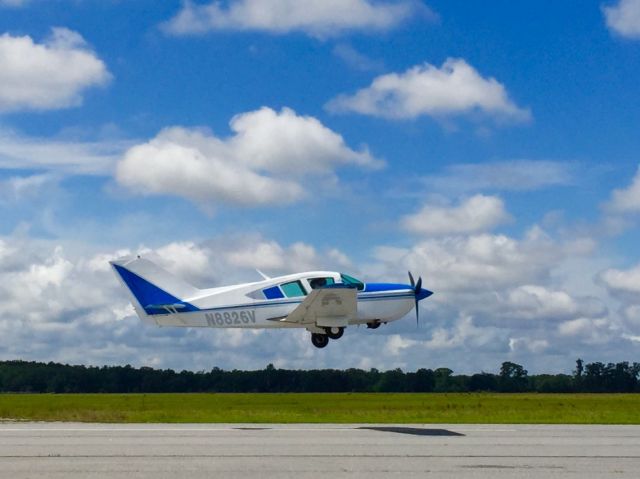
<point x="326" y="408"/>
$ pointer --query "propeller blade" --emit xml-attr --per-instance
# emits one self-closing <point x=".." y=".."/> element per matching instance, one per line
<point x="417" y="287"/>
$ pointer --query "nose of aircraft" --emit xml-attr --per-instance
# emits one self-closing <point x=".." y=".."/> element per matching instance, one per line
<point x="423" y="293"/>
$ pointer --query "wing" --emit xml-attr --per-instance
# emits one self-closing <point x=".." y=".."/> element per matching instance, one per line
<point x="332" y="306"/>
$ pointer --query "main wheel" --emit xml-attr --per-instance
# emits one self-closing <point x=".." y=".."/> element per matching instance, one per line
<point x="334" y="333"/>
<point x="373" y="325"/>
<point x="319" y="340"/>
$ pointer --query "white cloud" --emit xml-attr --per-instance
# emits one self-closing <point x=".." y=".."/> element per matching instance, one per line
<point x="18" y="151"/>
<point x="535" y="346"/>
<point x="626" y="200"/>
<point x="622" y="281"/>
<point x="17" y="188"/>
<point x="624" y="18"/>
<point x="356" y="60"/>
<point x="185" y="258"/>
<point x="319" y="18"/>
<point x="455" y="88"/>
<point x="396" y="344"/>
<point x="475" y="214"/>
<point x="591" y="331"/>
<point x="264" y="162"/>
<point x="56" y="297"/>
<point x="13" y="3"/>
<point x="48" y="75"/>
<point x="631" y="313"/>
<point x="273" y="258"/>
<point x="478" y="262"/>
<point x="463" y="333"/>
<point x="514" y="175"/>
<point x="534" y="302"/>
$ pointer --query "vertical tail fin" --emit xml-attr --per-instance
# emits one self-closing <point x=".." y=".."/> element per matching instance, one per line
<point x="153" y="289"/>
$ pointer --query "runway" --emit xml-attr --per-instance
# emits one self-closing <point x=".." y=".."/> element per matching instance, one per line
<point x="64" y="450"/>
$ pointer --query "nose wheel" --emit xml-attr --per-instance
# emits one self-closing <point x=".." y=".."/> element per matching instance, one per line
<point x="319" y="340"/>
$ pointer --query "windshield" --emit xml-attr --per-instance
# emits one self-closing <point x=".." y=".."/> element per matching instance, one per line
<point x="346" y="279"/>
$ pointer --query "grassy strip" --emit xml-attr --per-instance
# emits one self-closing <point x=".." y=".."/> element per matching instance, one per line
<point x="326" y="408"/>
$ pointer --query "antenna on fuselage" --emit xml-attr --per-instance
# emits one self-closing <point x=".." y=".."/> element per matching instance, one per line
<point x="262" y="274"/>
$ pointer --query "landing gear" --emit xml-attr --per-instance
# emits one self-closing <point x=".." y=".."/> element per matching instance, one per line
<point x="319" y="340"/>
<point x="373" y="324"/>
<point x="334" y="333"/>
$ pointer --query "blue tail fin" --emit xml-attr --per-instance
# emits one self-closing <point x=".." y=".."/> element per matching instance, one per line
<point x="155" y="290"/>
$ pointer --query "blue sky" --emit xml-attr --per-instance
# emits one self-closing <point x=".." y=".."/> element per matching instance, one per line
<point x="490" y="146"/>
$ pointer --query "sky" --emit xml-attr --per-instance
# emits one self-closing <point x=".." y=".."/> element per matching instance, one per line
<point x="490" y="147"/>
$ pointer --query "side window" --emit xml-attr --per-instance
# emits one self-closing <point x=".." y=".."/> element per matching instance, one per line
<point x="272" y="293"/>
<point x="320" y="282"/>
<point x="293" y="289"/>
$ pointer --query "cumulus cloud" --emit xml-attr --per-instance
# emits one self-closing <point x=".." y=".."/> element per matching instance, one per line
<point x="456" y="88"/>
<point x="592" y="331"/>
<point x="475" y="214"/>
<point x="622" y="282"/>
<point x="623" y="18"/>
<point x="463" y="333"/>
<point x="48" y="75"/>
<point x="57" y="296"/>
<point x="513" y="175"/>
<point x="253" y="251"/>
<point x="535" y="302"/>
<point x="477" y="262"/>
<point x="319" y="18"/>
<point x="264" y="162"/>
<point x="514" y="298"/>
<point x="626" y="200"/>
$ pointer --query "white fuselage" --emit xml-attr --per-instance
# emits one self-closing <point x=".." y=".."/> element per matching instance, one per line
<point x="246" y="306"/>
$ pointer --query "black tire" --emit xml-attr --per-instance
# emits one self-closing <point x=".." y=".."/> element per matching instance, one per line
<point x="319" y="340"/>
<point x="373" y="325"/>
<point x="333" y="335"/>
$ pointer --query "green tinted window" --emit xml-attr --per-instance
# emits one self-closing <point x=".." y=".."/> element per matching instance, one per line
<point x="346" y="279"/>
<point x="293" y="289"/>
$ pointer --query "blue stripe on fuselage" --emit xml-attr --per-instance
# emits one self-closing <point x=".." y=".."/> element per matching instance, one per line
<point x="379" y="287"/>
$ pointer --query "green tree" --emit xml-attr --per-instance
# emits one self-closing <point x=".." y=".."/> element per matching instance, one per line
<point x="513" y="377"/>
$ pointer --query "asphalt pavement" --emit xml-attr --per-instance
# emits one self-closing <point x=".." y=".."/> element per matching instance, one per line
<point x="65" y="450"/>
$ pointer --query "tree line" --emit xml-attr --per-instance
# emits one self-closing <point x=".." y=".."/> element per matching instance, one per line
<point x="38" y="377"/>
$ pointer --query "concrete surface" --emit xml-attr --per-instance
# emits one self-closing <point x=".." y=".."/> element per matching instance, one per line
<point x="58" y="450"/>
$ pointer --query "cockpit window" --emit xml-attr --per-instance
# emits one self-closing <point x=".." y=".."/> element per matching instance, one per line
<point x="293" y="289"/>
<point x="346" y="279"/>
<point x="316" y="283"/>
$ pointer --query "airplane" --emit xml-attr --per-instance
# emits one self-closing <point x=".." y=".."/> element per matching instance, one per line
<point x="323" y="302"/>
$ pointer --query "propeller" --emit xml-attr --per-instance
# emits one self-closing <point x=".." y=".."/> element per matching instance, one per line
<point x="417" y="287"/>
<point x="419" y="294"/>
